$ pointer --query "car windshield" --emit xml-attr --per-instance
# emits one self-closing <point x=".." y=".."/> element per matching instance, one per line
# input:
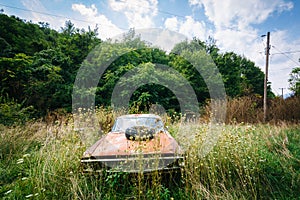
<point x="121" y="124"/>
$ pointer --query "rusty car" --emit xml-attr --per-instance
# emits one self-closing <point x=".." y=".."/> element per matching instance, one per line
<point x="136" y="143"/>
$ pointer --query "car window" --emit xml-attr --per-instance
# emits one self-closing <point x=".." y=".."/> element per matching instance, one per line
<point x="121" y="124"/>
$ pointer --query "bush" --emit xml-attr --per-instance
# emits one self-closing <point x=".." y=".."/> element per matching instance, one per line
<point x="12" y="112"/>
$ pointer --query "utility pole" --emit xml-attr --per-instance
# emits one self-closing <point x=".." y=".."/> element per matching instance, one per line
<point x="282" y="92"/>
<point x="266" y="77"/>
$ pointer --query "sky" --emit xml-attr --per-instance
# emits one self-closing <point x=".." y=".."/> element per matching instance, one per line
<point x="236" y="25"/>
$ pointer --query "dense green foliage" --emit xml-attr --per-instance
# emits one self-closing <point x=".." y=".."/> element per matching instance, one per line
<point x="294" y="81"/>
<point x="38" y="67"/>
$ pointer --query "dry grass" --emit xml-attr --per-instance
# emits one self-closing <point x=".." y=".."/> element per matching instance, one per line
<point x="249" y="109"/>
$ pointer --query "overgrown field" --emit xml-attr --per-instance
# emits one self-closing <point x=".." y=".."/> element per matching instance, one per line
<point x="42" y="161"/>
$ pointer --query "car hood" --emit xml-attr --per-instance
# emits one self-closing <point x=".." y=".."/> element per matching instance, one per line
<point x="116" y="143"/>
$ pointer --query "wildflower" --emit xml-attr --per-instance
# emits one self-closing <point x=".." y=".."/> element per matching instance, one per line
<point x="28" y="196"/>
<point x="9" y="191"/>
<point x="19" y="161"/>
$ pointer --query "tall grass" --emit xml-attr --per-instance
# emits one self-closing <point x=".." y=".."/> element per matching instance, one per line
<point x="42" y="161"/>
<point x="251" y="162"/>
<point x="249" y="109"/>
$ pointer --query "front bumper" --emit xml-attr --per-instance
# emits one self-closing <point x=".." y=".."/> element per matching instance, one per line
<point x="138" y="163"/>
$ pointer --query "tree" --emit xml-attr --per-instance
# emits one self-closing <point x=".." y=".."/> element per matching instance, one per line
<point x="294" y="81"/>
<point x="14" y="76"/>
<point x="77" y="43"/>
<point x="120" y="59"/>
<point x="19" y="36"/>
<point x="47" y="89"/>
<point x="39" y="66"/>
<point x="193" y="61"/>
<point x="240" y="75"/>
<point x="149" y="84"/>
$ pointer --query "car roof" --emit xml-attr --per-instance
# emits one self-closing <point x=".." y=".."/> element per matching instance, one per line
<point x="140" y="116"/>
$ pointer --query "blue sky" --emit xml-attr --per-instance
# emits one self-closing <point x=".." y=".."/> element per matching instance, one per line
<point x="236" y="25"/>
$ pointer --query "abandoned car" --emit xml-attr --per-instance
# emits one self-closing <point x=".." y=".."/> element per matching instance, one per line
<point x="137" y="143"/>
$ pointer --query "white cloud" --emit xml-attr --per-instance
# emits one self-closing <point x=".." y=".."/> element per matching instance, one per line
<point x="90" y="12"/>
<point x="161" y="38"/>
<point x="234" y="20"/>
<point x="90" y="15"/>
<point x="106" y="28"/>
<point x="248" y="42"/>
<point x="239" y="41"/>
<point x="36" y="5"/>
<point x="188" y="27"/>
<point x="193" y="28"/>
<point x="171" y="23"/>
<point x="282" y="64"/>
<point x="139" y="13"/>
<point x="228" y="13"/>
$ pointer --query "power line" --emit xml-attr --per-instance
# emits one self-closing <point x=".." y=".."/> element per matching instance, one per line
<point x="173" y="14"/>
<point x="58" y="16"/>
<point x="61" y="16"/>
<point x="285" y="54"/>
<point x="43" y="13"/>
<point x="126" y="29"/>
<point x="86" y="21"/>
<point x="289" y="68"/>
<point x="276" y="91"/>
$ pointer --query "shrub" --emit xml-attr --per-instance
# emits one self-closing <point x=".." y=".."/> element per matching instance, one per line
<point x="12" y="112"/>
